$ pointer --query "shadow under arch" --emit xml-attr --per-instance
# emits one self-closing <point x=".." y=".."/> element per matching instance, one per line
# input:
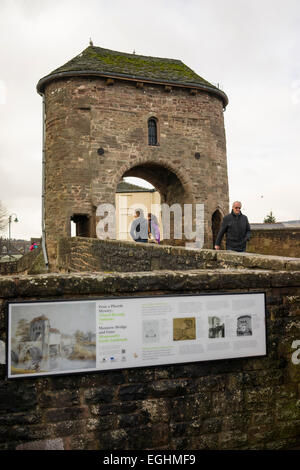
<point x="216" y="222"/>
<point x="162" y="175"/>
<point x="172" y="184"/>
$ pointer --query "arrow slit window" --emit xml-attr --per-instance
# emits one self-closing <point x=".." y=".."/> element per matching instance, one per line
<point x="152" y="131"/>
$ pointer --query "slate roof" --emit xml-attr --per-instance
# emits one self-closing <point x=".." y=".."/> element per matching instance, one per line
<point x="104" y="62"/>
<point x="124" y="187"/>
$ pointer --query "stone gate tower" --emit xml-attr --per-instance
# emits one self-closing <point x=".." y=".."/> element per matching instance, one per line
<point x="109" y="114"/>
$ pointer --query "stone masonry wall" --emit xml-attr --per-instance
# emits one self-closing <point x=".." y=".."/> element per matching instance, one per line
<point x="282" y="242"/>
<point x="249" y="403"/>
<point x="84" y="115"/>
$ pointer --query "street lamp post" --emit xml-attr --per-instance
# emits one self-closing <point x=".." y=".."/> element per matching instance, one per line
<point x="9" y="229"/>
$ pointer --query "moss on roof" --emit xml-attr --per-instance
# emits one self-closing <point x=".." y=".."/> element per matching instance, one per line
<point x="119" y="64"/>
<point x="136" y="66"/>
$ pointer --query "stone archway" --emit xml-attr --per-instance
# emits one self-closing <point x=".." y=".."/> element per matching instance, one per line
<point x="161" y="174"/>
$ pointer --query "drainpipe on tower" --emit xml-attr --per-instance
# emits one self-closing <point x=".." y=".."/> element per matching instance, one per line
<point x="43" y="189"/>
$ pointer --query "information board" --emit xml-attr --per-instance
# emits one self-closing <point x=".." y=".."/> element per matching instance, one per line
<point x="75" y="336"/>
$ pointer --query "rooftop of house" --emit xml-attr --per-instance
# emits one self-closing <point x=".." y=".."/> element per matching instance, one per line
<point x="104" y="62"/>
<point x="124" y="187"/>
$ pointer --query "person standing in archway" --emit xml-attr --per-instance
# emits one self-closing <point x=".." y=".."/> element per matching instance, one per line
<point x="139" y="227"/>
<point x="237" y="229"/>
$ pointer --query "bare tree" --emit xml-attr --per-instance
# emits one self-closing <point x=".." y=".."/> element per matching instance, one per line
<point x="3" y="217"/>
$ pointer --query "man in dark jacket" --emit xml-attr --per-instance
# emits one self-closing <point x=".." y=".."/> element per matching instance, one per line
<point x="237" y="229"/>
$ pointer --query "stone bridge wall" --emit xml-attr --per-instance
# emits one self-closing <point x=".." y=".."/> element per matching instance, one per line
<point x="90" y="254"/>
<point x="282" y="241"/>
<point x="248" y="403"/>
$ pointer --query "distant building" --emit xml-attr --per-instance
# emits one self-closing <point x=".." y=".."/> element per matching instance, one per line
<point x="276" y="225"/>
<point x="13" y="249"/>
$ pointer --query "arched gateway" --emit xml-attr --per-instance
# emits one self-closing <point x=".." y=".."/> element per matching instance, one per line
<point x="109" y="114"/>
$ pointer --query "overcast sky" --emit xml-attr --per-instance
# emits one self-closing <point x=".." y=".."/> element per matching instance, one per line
<point x="251" y="48"/>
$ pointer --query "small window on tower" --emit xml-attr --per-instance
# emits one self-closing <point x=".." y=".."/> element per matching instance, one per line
<point x="152" y="131"/>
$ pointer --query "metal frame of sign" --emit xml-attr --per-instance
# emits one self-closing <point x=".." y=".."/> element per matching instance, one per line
<point x="73" y="336"/>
